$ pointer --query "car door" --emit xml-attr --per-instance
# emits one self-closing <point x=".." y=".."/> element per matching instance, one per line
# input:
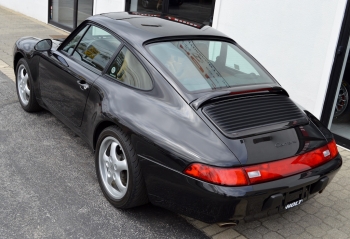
<point x="67" y="74"/>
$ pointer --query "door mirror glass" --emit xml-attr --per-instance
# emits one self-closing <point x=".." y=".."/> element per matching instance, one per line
<point x="43" y="45"/>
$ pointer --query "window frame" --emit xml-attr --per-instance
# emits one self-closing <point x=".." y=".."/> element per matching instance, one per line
<point x="110" y="78"/>
<point x="66" y="43"/>
<point x="76" y="32"/>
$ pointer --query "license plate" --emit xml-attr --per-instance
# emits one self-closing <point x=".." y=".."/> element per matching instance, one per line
<point x="293" y="204"/>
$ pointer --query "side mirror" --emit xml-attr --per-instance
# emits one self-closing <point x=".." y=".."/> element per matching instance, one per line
<point x="43" y="45"/>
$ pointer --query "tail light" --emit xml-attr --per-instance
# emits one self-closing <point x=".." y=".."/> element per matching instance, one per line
<point x="222" y="176"/>
<point x="264" y="172"/>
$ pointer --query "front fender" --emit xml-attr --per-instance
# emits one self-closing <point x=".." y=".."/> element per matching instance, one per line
<point x="24" y="46"/>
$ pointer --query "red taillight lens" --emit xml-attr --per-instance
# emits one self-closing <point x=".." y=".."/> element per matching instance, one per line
<point x="333" y="148"/>
<point x="263" y="172"/>
<point x="222" y="176"/>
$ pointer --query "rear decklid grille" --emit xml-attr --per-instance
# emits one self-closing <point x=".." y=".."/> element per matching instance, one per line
<point x="252" y="115"/>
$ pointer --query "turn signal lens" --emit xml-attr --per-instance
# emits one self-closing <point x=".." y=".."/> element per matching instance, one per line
<point x="263" y="172"/>
<point x="332" y="146"/>
<point x="222" y="176"/>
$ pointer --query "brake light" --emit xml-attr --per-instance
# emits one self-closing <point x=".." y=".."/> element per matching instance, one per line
<point x="222" y="176"/>
<point x="263" y="172"/>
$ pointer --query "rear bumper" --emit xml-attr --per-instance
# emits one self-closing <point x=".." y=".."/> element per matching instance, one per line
<point x="212" y="203"/>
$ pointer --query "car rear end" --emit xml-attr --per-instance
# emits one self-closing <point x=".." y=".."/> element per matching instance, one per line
<point x="286" y="155"/>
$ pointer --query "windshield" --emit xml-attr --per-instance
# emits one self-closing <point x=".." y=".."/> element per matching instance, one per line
<point x="201" y="65"/>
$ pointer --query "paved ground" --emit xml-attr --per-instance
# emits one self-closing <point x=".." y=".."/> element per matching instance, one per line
<point x="14" y="26"/>
<point x="49" y="189"/>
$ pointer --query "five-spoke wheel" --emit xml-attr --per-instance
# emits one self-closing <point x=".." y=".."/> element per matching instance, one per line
<point x="118" y="170"/>
<point x="23" y="84"/>
<point x="113" y="167"/>
<point x="24" y="87"/>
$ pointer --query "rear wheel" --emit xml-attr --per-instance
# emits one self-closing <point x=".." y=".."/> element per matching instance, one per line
<point x="118" y="170"/>
<point x="25" y="89"/>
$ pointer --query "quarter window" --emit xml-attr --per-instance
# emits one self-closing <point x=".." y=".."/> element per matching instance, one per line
<point x="96" y="48"/>
<point x="127" y="69"/>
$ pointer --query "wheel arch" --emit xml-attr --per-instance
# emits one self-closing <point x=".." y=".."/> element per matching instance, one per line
<point x="16" y="58"/>
<point x="99" y="128"/>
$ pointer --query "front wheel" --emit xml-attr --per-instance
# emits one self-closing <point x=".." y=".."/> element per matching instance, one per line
<point x="25" y="89"/>
<point x="118" y="170"/>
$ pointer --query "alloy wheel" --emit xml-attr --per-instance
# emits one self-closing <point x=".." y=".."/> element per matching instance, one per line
<point x="23" y="85"/>
<point x="113" y="168"/>
<point x="342" y="101"/>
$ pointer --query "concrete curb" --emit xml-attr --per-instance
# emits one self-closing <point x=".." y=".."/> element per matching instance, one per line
<point x="7" y="70"/>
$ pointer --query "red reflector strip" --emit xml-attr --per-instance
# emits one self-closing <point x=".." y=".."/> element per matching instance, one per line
<point x="222" y="176"/>
<point x="263" y="172"/>
<point x="290" y="166"/>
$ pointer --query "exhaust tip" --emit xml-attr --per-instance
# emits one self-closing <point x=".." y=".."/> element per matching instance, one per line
<point x="228" y="224"/>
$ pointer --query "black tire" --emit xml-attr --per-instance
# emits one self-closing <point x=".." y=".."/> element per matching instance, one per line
<point x="30" y="103"/>
<point x="342" y="115"/>
<point x="136" y="193"/>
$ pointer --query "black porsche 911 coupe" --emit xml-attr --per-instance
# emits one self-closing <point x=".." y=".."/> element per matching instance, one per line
<point x="178" y="115"/>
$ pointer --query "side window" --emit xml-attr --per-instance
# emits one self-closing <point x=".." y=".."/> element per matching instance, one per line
<point x="69" y="48"/>
<point x="96" y="48"/>
<point x="236" y="61"/>
<point x="127" y="69"/>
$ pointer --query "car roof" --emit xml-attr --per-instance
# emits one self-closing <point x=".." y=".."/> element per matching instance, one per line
<point x="137" y="27"/>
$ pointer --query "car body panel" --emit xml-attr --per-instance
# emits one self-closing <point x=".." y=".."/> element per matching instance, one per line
<point x="168" y="112"/>
<point x="61" y="85"/>
<point x="213" y="203"/>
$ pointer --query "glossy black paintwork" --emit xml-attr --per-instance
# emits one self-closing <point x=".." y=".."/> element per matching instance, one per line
<point x="167" y="131"/>
<point x="213" y="203"/>
<point x="62" y="88"/>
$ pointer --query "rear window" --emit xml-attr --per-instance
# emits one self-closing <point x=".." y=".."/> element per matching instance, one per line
<point x="200" y="65"/>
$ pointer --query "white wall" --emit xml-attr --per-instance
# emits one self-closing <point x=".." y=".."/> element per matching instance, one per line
<point x="102" y="6"/>
<point x="294" y="39"/>
<point x="37" y="9"/>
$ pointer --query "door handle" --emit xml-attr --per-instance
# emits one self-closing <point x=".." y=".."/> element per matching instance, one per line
<point x="83" y="85"/>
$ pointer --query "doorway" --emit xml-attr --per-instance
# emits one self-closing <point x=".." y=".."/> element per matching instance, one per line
<point x="336" y="108"/>
<point x="68" y="14"/>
